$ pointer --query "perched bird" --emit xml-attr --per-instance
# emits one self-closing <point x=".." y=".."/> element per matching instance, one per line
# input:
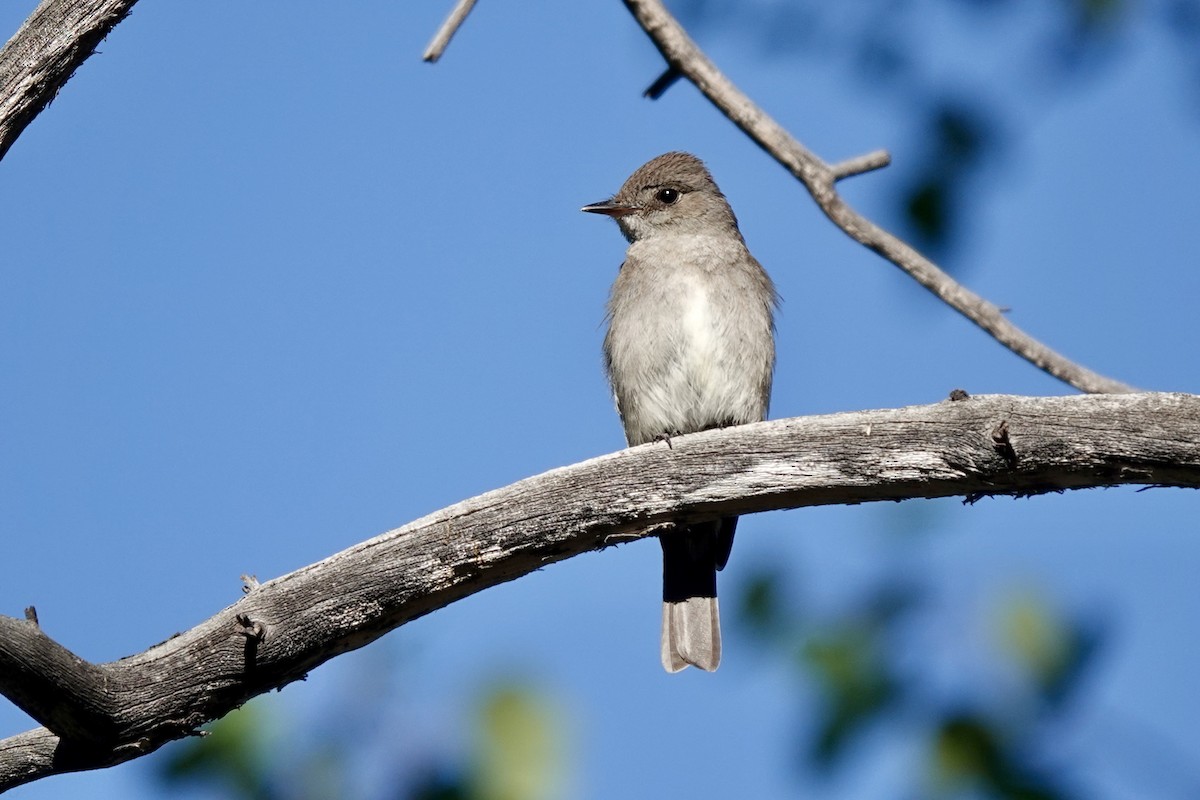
<point x="690" y="346"/>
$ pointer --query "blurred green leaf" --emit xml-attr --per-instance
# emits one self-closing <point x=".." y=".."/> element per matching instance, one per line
<point x="521" y="753"/>
<point x="233" y="754"/>
<point x="965" y="753"/>
<point x="958" y="138"/>
<point x="1052" y="650"/>
<point x="1039" y="640"/>
<point x="760" y="611"/>
<point x="849" y="663"/>
<point x="438" y="786"/>
<point x="972" y="758"/>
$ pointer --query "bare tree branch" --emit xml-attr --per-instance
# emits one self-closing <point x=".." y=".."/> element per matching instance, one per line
<point x="43" y="55"/>
<point x="685" y="59"/>
<point x="877" y="159"/>
<point x="442" y="38"/>
<point x="102" y="714"/>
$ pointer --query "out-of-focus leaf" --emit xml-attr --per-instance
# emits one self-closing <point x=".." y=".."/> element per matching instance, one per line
<point x="890" y="601"/>
<point x="881" y="59"/>
<point x="851" y="661"/>
<point x="1093" y="14"/>
<point x="965" y="753"/>
<point x="759" y="609"/>
<point x="972" y="758"/>
<point x="961" y="134"/>
<point x="437" y="786"/>
<point x="849" y="665"/>
<point x="925" y="209"/>
<point x="321" y="774"/>
<point x="521" y="748"/>
<point x="1036" y="638"/>
<point x="1052" y="650"/>
<point x="233" y="754"/>
<point x="1086" y="642"/>
<point x="958" y="138"/>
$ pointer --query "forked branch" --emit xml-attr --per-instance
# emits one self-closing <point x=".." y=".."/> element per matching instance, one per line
<point x="684" y="59"/>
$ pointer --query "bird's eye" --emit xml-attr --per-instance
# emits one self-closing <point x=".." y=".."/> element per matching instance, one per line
<point x="668" y="196"/>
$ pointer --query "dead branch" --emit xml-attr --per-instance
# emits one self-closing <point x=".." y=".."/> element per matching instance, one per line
<point x="684" y="59"/>
<point x="45" y="52"/>
<point x="96" y="715"/>
<point x="442" y="38"/>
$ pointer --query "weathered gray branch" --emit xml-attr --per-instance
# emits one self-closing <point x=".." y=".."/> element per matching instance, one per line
<point x="98" y="715"/>
<point x="685" y="59"/>
<point x="458" y="15"/>
<point x="43" y="55"/>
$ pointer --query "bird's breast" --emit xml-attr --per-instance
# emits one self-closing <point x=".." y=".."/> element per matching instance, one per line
<point x="687" y="348"/>
<point x="700" y="323"/>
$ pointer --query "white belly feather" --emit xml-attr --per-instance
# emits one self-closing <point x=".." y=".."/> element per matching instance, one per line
<point x="683" y="355"/>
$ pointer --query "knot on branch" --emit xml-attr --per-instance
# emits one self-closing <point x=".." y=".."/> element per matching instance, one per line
<point x="253" y="630"/>
<point x="1003" y="444"/>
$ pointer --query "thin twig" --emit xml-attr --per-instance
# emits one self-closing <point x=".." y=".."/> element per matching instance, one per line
<point x="877" y="159"/>
<point x="662" y="83"/>
<point x="442" y="38"/>
<point x="683" y="56"/>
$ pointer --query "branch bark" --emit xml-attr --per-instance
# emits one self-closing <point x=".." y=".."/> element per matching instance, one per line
<point x="685" y="59"/>
<point x="45" y="52"/>
<point x="441" y="39"/>
<point x="97" y="715"/>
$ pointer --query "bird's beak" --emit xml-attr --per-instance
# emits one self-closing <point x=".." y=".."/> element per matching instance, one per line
<point x="610" y="208"/>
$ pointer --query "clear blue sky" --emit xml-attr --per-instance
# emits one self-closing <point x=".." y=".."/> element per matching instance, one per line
<point x="270" y="286"/>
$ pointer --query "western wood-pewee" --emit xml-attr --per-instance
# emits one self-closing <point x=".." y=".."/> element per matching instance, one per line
<point x="690" y="346"/>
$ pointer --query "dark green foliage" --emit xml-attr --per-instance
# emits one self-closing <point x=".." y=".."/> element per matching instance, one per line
<point x="250" y="756"/>
<point x="989" y="744"/>
<point x="958" y="140"/>
<point x="231" y="755"/>
<point x="437" y="786"/>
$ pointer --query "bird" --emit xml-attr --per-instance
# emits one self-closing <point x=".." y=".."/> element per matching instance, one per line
<point x="689" y="346"/>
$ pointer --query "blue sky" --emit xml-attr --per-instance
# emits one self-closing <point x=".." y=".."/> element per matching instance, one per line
<point x="270" y="286"/>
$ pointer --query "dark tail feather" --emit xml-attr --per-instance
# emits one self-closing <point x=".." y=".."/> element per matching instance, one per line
<point x="725" y="540"/>
<point x="690" y="562"/>
<point x="691" y="632"/>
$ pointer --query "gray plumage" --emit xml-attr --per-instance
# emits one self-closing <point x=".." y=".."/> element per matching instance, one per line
<point x="690" y="346"/>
